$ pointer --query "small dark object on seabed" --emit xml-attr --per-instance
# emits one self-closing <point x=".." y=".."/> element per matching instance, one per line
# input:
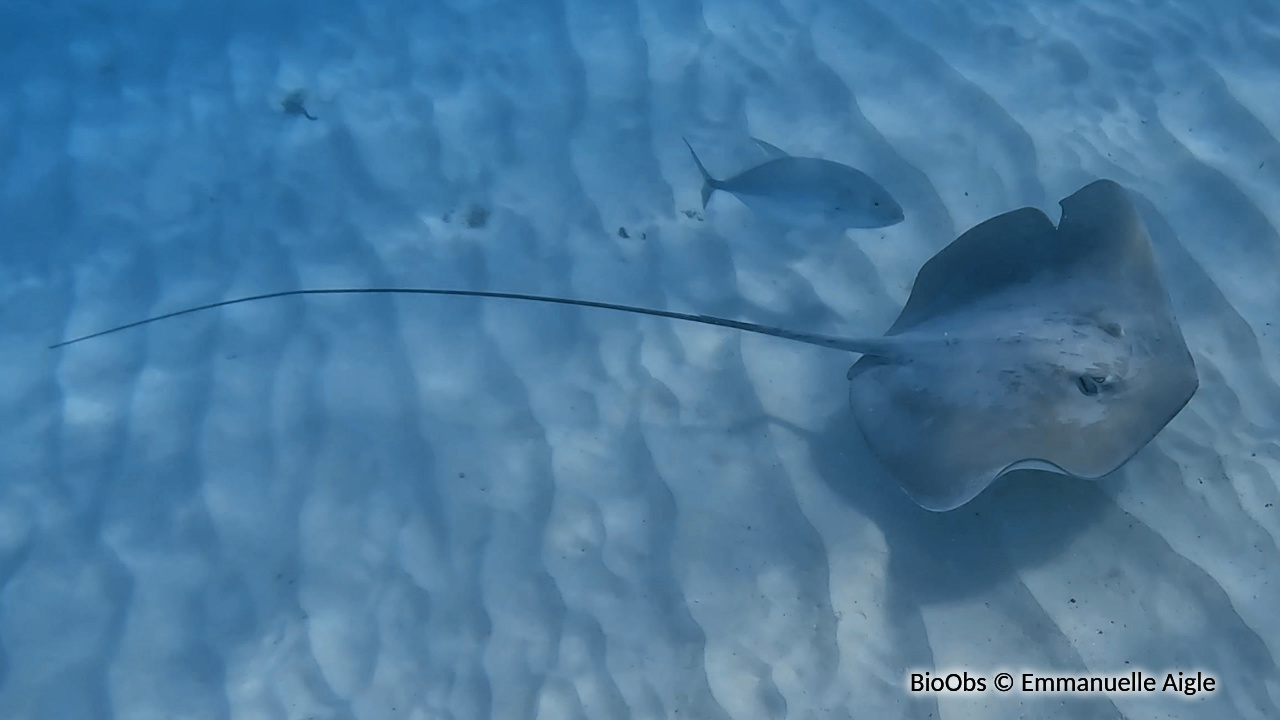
<point x="294" y="104"/>
<point x="476" y="216"/>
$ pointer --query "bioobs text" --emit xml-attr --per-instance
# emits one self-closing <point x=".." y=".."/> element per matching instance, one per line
<point x="951" y="682"/>
<point x="1139" y="682"/>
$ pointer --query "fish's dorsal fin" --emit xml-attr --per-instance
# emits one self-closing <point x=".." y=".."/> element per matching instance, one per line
<point x="772" y="152"/>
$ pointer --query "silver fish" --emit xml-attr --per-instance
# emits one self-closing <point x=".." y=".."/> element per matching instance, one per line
<point x="807" y="192"/>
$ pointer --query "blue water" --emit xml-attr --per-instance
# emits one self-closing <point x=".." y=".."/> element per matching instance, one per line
<point x="416" y="507"/>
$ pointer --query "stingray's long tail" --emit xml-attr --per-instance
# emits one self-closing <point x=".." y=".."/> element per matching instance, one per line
<point x="873" y="346"/>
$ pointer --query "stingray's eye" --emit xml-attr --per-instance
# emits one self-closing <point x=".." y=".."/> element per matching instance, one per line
<point x="877" y="202"/>
<point x="1091" y="384"/>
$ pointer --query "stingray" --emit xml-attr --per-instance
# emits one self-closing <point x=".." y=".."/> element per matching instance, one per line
<point x="806" y="192"/>
<point x="1021" y="346"/>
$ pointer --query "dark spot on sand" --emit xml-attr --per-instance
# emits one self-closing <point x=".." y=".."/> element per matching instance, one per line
<point x="622" y="233"/>
<point x="294" y="103"/>
<point x="477" y="216"/>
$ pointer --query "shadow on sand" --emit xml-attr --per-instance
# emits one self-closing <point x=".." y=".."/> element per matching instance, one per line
<point x="1026" y="519"/>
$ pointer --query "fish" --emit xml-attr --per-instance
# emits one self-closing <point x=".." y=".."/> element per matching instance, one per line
<point x="804" y="192"/>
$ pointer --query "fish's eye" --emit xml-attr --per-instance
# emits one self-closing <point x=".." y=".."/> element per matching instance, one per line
<point x="1091" y="384"/>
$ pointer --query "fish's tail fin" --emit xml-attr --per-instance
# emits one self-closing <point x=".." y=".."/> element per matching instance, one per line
<point x="709" y="183"/>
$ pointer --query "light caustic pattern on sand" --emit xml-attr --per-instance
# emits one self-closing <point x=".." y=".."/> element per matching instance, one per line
<point x="441" y="508"/>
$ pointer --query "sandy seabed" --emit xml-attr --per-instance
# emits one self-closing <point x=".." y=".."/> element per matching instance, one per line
<point x="445" y="508"/>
